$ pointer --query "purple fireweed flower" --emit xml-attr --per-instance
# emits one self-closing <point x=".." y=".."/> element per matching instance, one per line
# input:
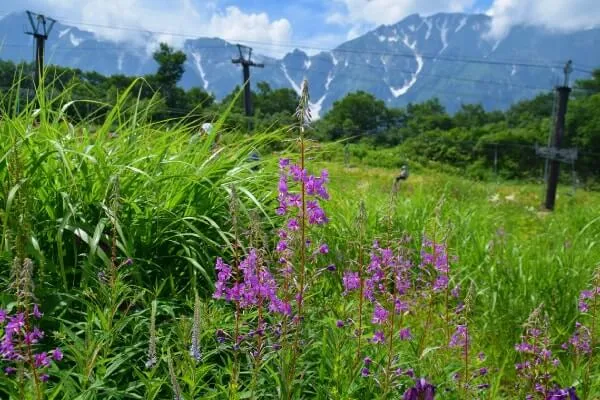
<point x="365" y="372"/>
<point x="36" y="312"/>
<point x="524" y="347"/>
<point x="367" y="361"/>
<point x="323" y="249"/>
<point x="400" y="306"/>
<point x="421" y="391"/>
<point x="351" y="281"/>
<point x="10" y="370"/>
<point x="339" y="323"/>
<point x="483" y="371"/>
<point x="441" y="283"/>
<point x="378" y="337"/>
<point x="16" y="323"/>
<point x="405" y="334"/>
<point x="256" y="285"/>
<point x="44" y="377"/>
<point x="460" y="338"/>
<point x="455" y="292"/>
<point x="585" y="297"/>
<point x="380" y="315"/>
<point x="33" y="337"/>
<point x="331" y="267"/>
<point x="293" y="224"/>
<point x="3" y="316"/>
<point x="562" y="394"/>
<point x="316" y="215"/>
<point x="57" y="354"/>
<point x="581" y="340"/>
<point x="284" y="163"/>
<point x="41" y="360"/>
<point x="281" y="246"/>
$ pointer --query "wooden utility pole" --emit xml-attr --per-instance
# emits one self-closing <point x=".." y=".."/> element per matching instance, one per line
<point x="40" y="29"/>
<point x="246" y="64"/>
<point x="559" y="129"/>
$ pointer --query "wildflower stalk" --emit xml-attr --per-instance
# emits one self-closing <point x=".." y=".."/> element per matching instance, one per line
<point x="388" y="371"/>
<point x="233" y="209"/>
<point x="255" y="239"/>
<point x="594" y="313"/>
<point x="151" y="362"/>
<point x="390" y="355"/>
<point x="114" y="211"/>
<point x="303" y="116"/>
<point x="174" y="384"/>
<point x="362" y="219"/>
<point x="195" y="342"/>
<point x="468" y="304"/>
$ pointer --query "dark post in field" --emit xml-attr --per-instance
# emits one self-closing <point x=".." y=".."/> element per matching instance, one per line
<point x="559" y="129"/>
<point x="40" y="29"/>
<point x="246" y="64"/>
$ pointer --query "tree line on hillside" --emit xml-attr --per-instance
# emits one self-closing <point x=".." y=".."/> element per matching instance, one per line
<point x="472" y="139"/>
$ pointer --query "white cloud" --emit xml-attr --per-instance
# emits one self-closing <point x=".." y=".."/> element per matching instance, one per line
<point x="234" y="25"/>
<point x="376" y="12"/>
<point x="177" y="21"/>
<point x="552" y="14"/>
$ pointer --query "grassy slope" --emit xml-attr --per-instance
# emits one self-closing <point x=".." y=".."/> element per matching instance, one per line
<point x="517" y="256"/>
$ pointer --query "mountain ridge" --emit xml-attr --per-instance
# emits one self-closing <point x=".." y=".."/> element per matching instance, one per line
<point x="447" y="55"/>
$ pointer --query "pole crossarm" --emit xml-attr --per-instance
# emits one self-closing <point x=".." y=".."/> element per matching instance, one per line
<point x="554" y="153"/>
<point x="41" y="26"/>
<point x="242" y="59"/>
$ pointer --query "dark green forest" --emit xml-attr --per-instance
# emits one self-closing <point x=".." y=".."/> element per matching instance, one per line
<point x="479" y="142"/>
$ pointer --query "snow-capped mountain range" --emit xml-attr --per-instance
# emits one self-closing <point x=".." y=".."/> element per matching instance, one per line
<point x="449" y="56"/>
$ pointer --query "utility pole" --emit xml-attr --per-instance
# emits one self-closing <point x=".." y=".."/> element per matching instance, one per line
<point x="40" y="29"/>
<point x="559" y="128"/>
<point x="246" y="64"/>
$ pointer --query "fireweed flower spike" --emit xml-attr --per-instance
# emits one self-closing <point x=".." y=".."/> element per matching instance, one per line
<point x="18" y="342"/>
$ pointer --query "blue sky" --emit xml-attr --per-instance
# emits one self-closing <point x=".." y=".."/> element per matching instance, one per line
<point x="317" y="23"/>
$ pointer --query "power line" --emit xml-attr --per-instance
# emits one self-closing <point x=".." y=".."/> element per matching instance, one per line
<point x="385" y="68"/>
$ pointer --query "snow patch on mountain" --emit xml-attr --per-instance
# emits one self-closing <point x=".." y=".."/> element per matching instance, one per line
<point x="295" y="86"/>
<point x="307" y="64"/>
<point x="198" y="63"/>
<point x="63" y="32"/>
<point x="382" y="38"/>
<point x="75" y="41"/>
<point x="496" y="45"/>
<point x="401" y="91"/>
<point x="429" y="27"/>
<point x="513" y="71"/>
<point x="333" y="59"/>
<point x="444" y="35"/>
<point x="330" y="77"/>
<point x="461" y="24"/>
<point x="315" y="108"/>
